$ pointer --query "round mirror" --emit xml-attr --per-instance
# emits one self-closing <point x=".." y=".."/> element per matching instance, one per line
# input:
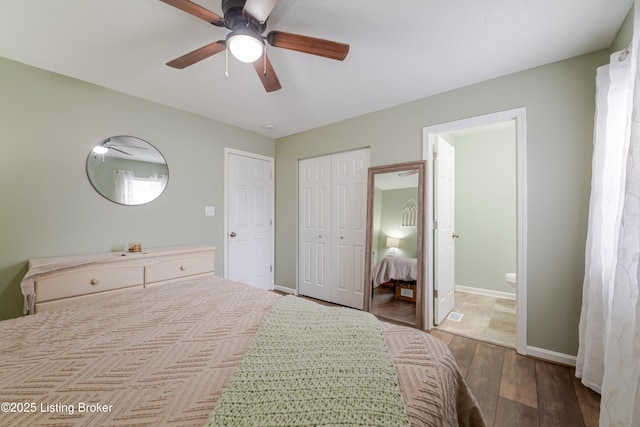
<point x="127" y="170"/>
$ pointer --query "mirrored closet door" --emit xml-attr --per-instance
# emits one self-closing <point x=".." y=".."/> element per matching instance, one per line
<point x="394" y="282"/>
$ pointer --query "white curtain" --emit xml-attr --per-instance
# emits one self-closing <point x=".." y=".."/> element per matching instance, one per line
<point x="609" y="355"/>
<point x="133" y="190"/>
<point x="124" y="186"/>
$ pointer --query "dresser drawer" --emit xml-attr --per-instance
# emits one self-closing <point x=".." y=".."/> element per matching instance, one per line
<point x="82" y="282"/>
<point x="176" y="268"/>
<point x="81" y="300"/>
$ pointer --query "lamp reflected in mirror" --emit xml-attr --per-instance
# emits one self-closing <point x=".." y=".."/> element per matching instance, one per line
<point x="394" y="282"/>
<point x="392" y="244"/>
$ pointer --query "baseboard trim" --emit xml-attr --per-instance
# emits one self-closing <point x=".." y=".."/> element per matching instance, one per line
<point x="285" y="289"/>
<point x="551" y="356"/>
<point x="486" y="292"/>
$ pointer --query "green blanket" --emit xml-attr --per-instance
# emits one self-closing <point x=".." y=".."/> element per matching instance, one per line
<point x="313" y="365"/>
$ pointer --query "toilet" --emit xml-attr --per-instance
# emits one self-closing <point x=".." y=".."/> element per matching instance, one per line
<point x="511" y="280"/>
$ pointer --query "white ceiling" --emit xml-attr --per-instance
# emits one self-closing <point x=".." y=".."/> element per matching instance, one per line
<point x="400" y="51"/>
<point x="396" y="180"/>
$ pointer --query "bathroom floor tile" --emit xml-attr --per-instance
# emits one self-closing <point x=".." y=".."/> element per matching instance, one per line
<point x="506" y="339"/>
<point x="477" y="310"/>
<point x="502" y="325"/>
<point x="504" y="316"/>
<point x="485" y="318"/>
<point x="506" y="303"/>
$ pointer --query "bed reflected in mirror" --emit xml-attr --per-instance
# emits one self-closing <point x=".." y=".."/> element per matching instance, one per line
<point x="394" y="284"/>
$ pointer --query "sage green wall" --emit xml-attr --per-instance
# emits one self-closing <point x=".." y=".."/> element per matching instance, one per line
<point x="625" y="33"/>
<point x="391" y="224"/>
<point x="559" y="101"/>
<point x="485" y="216"/>
<point x="48" y="125"/>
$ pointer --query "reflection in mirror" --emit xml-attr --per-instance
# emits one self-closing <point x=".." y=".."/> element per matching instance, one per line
<point x="127" y="170"/>
<point x="394" y="242"/>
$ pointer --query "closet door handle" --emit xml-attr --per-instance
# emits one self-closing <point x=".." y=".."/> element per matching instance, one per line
<point x="233" y="234"/>
<point x="455" y="235"/>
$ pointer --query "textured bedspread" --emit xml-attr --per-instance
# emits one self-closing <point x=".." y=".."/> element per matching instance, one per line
<point x="331" y="367"/>
<point x="165" y="356"/>
<point x="392" y="268"/>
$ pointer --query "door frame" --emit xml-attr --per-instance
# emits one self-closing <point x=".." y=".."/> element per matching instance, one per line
<point x="429" y="135"/>
<point x="271" y="160"/>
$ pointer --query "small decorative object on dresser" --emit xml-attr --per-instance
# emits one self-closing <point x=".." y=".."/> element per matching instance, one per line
<point x="135" y="247"/>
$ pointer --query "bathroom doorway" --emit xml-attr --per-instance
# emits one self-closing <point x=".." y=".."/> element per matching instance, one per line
<point x="486" y="234"/>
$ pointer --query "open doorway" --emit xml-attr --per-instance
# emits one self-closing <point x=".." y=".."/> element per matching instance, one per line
<point x="485" y="223"/>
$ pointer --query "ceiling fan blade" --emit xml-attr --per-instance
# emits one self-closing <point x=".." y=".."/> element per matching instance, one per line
<point x="267" y="74"/>
<point x="109" y="145"/>
<point x="198" y="55"/>
<point x="259" y="9"/>
<point x="119" y="150"/>
<point x="197" y="11"/>
<point x="310" y="45"/>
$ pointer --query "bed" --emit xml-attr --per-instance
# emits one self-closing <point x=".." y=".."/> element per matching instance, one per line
<point x="170" y="354"/>
<point x="394" y="268"/>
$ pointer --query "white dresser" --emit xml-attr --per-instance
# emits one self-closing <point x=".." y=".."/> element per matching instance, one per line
<point x="53" y="283"/>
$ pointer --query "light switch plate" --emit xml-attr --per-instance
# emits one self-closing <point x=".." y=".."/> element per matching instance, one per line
<point x="209" y="210"/>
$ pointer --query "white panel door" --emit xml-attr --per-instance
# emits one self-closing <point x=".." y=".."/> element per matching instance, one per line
<point x="314" y="236"/>
<point x="348" y="205"/>
<point x="444" y="215"/>
<point x="250" y="223"/>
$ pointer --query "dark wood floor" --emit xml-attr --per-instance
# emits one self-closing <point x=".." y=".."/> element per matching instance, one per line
<point x="515" y="390"/>
<point x="384" y="303"/>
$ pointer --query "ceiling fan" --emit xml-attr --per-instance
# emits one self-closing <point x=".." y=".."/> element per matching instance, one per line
<point x="247" y="20"/>
<point x="112" y="143"/>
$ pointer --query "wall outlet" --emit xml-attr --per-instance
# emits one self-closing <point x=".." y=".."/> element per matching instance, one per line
<point x="209" y="211"/>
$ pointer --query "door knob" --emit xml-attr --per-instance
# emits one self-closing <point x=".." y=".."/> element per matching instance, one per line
<point x="233" y="234"/>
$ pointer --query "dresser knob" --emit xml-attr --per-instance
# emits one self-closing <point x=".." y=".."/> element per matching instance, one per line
<point x="95" y="281"/>
<point x="183" y="267"/>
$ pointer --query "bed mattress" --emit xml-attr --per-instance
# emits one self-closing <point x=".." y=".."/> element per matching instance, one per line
<point x="163" y="356"/>
<point x="394" y="268"/>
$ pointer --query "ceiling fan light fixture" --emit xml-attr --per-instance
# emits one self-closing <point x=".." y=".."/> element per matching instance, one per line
<point x="245" y="45"/>
<point x="100" y="149"/>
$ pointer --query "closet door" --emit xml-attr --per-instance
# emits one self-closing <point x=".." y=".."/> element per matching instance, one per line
<point x="314" y="235"/>
<point x="332" y="227"/>
<point x="348" y="218"/>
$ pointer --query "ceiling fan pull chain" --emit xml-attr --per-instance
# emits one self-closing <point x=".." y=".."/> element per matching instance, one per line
<point x="226" y="63"/>
<point x="264" y="59"/>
